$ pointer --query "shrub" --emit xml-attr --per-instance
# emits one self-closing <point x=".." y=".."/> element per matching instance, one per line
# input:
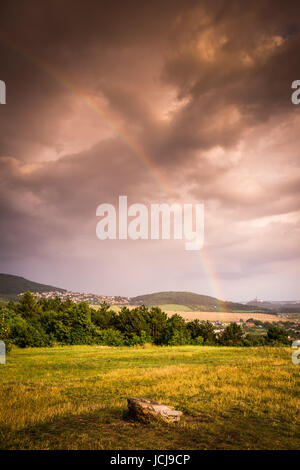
<point x="254" y="340"/>
<point x="111" y="337"/>
<point x="25" y="334"/>
<point x="74" y="326"/>
<point x="199" y="341"/>
<point x="28" y="306"/>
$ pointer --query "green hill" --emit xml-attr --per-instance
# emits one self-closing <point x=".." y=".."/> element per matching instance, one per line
<point x="192" y="301"/>
<point x="11" y="286"/>
<point x="178" y="298"/>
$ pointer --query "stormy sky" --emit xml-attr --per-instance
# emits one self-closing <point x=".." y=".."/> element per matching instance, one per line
<point x="162" y="101"/>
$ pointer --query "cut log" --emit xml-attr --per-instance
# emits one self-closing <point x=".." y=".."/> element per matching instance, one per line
<point x="142" y="409"/>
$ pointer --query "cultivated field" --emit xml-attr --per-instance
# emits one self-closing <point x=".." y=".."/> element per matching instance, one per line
<point x="75" y="398"/>
<point x="189" y="315"/>
<point x="225" y="316"/>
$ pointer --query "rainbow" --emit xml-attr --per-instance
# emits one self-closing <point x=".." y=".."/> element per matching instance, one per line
<point x="137" y="150"/>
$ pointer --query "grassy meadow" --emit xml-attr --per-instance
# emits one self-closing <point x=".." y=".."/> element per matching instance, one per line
<point x="74" y="397"/>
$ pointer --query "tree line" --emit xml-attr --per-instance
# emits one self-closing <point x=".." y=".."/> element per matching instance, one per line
<point x="33" y="322"/>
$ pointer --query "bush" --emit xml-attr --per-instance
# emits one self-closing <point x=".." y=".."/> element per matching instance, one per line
<point x="72" y="326"/>
<point x="111" y="337"/>
<point x="199" y="341"/>
<point x="253" y="340"/>
<point x="25" y="334"/>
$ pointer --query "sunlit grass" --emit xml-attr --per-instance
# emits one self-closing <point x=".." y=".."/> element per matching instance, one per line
<point x="75" y="397"/>
<point x="175" y="308"/>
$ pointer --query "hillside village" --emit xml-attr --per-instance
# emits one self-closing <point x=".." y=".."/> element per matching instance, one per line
<point x="77" y="297"/>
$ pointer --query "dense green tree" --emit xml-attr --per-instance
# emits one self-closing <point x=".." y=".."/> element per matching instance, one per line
<point x="277" y="334"/>
<point x="132" y="322"/>
<point x="48" y="321"/>
<point x="28" y="306"/>
<point x="157" y="321"/>
<point x="103" y="317"/>
<point x="55" y="304"/>
<point x="176" y="331"/>
<point x="204" y="329"/>
<point x="232" y="335"/>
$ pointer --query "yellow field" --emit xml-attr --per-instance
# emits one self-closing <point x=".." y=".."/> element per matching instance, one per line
<point x="210" y="316"/>
<point x="225" y="317"/>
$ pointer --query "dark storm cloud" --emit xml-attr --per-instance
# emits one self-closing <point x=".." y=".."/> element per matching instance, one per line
<point x="57" y="199"/>
<point x="195" y="85"/>
<point x="242" y="64"/>
<point x="86" y="42"/>
<point x="72" y="35"/>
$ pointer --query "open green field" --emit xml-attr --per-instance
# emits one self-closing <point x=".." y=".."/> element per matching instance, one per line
<point x="175" y="308"/>
<point x="74" y="397"/>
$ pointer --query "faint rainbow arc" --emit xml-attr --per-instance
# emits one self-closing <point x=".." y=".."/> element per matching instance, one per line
<point x="127" y="139"/>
